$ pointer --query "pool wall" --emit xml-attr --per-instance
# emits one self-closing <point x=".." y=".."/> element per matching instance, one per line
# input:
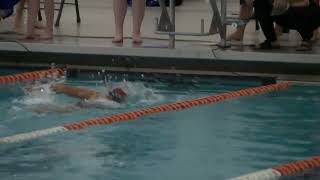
<point x="197" y="60"/>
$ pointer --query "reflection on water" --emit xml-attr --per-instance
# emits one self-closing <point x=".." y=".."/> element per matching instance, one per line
<point x="217" y="141"/>
<point x="279" y="127"/>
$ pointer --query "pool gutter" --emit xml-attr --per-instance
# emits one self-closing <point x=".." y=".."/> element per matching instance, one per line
<point x="187" y="60"/>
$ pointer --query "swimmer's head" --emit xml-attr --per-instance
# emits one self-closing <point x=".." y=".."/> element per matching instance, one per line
<point x="118" y="95"/>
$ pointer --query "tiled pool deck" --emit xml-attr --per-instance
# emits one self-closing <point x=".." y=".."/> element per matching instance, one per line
<point x="88" y="45"/>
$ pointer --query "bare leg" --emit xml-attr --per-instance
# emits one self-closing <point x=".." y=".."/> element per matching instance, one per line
<point x="19" y="16"/>
<point x="138" y="10"/>
<point x="49" y="11"/>
<point x="33" y="8"/>
<point x="120" y="11"/>
<point x="39" y="25"/>
<point x="316" y="35"/>
<point x="245" y="14"/>
<point x="278" y="29"/>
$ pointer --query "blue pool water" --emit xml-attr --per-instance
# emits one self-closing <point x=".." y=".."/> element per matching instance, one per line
<point x="216" y="141"/>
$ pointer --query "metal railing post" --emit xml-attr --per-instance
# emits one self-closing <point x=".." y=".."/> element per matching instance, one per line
<point x="172" y="38"/>
<point x="165" y="25"/>
<point x="224" y="24"/>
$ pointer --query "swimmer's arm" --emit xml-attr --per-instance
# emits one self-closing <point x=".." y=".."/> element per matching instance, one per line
<point x="82" y="93"/>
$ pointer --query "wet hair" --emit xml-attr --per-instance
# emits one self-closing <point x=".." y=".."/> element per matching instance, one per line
<point x="117" y="95"/>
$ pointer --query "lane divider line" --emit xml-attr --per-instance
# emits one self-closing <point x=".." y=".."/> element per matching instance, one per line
<point x="11" y="79"/>
<point x="148" y="111"/>
<point x="34" y="134"/>
<point x="277" y="172"/>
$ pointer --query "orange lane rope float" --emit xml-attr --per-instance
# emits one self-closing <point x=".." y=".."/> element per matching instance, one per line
<point x="143" y="112"/>
<point x="11" y="79"/>
<point x="277" y="172"/>
<point x="174" y="107"/>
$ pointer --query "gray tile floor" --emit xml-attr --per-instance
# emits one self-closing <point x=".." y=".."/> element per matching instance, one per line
<point x="94" y="34"/>
<point x="98" y="21"/>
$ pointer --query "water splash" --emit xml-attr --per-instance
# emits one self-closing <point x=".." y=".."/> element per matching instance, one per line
<point x="100" y="103"/>
<point x="40" y="98"/>
<point x="137" y="92"/>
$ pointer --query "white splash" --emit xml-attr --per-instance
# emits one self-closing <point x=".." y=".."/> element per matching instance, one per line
<point x="101" y="103"/>
<point x="137" y="92"/>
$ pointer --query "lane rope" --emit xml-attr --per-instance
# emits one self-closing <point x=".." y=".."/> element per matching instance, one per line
<point x="144" y="112"/>
<point x="34" y="134"/>
<point x="11" y="79"/>
<point x="285" y="170"/>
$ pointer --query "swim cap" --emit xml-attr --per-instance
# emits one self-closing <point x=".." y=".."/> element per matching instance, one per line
<point x="118" y="95"/>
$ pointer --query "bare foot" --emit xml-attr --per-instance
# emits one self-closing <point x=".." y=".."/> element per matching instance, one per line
<point x="39" y="25"/>
<point x="136" y="39"/>
<point x="278" y="29"/>
<point x="29" y="37"/>
<point x="46" y="36"/>
<point x="316" y="35"/>
<point x="236" y="36"/>
<point x="117" y="40"/>
<point x="17" y="28"/>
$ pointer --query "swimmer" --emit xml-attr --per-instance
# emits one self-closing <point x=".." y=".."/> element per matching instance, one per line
<point x="117" y="95"/>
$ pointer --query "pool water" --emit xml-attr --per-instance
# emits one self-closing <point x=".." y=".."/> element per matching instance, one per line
<point x="216" y="141"/>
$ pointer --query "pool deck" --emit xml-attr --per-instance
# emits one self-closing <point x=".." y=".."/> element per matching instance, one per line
<point x="88" y="45"/>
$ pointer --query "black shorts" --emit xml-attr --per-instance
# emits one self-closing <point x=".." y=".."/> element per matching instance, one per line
<point x="242" y="2"/>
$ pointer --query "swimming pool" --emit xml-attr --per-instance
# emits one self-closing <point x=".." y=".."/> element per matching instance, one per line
<point x="216" y="141"/>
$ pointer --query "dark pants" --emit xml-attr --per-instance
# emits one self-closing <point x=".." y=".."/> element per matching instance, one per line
<point x="263" y="10"/>
<point x="303" y="19"/>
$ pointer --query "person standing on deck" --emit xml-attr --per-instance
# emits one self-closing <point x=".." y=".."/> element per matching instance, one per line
<point x="246" y="9"/>
<point x="33" y="9"/>
<point x="120" y="11"/>
<point x="19" y="18"/>
<point x="293" y="16"/>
